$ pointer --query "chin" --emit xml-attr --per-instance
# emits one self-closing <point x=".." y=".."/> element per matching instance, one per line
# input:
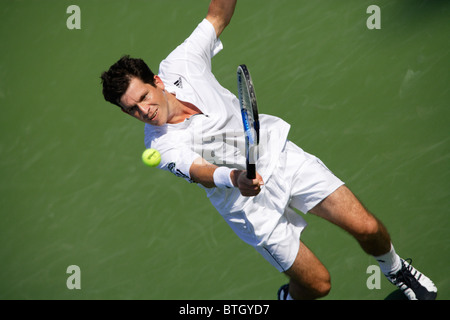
<point x="154" y="123"/>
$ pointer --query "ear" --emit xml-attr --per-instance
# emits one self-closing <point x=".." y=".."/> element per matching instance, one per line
<point x="158" y="82"/>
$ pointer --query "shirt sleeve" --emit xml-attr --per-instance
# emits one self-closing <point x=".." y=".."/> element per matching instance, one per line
<point x="203" y="44"/>
<point x="176" y="156"/>
<point x="194" y="54"/>
<point x="178" y="161"/>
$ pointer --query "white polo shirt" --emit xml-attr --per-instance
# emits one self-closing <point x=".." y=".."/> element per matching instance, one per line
<point x="217" y="133"/>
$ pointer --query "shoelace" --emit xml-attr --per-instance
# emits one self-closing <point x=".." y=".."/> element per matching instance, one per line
<point x="405" y="276"/>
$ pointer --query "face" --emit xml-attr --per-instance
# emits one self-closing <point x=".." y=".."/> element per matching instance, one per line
<point x="145" y="102"/>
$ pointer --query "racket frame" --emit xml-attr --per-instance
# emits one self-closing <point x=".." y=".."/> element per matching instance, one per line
<point x="248" y="104"/>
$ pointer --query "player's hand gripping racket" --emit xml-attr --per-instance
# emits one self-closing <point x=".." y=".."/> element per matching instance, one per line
<point x="249" y="111"/>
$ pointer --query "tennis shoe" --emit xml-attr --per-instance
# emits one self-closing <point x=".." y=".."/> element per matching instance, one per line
<point x="414" y="284"/>
<point x="283" y="292"/>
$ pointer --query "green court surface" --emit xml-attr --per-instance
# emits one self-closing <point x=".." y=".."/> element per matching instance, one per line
<point x="373" y="104"/>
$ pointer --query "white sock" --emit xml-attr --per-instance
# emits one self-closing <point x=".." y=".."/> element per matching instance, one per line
<point x="389" y="262"/>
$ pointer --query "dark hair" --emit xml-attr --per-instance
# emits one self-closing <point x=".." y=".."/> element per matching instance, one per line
<point x="116" y="80"/>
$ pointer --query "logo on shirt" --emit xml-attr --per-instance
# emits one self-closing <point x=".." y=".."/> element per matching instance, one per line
<point x="179" y="83"/>
<point x="173" y="168"/>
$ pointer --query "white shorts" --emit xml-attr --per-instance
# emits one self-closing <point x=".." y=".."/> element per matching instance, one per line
<point x="268" y="221"/>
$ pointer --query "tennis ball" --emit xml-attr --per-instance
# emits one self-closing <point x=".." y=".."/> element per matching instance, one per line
<point x="151" y="157"/>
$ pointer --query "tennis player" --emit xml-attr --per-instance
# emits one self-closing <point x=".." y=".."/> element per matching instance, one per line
<point x="196" y="125"/>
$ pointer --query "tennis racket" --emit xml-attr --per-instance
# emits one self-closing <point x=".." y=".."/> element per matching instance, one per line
<point x="250" y="119"/>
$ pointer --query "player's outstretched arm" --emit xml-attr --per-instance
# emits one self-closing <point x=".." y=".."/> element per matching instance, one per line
<point x="220" y="13"/>
<point x="202" y="172"/>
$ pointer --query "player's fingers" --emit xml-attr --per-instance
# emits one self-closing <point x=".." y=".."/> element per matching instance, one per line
<point x="244" y="181"/>
<point x="249" y="187"/>
<point x="250" y="193"/>
<point x="260" y="179"/>
<point x="254" y="188"/>
<point x="253" y="182"/>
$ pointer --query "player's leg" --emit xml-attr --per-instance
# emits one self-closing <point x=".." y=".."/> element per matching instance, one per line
<point x="346" y="211"/>
<point x="315" y="189"/>
<point x="309" y="279"/>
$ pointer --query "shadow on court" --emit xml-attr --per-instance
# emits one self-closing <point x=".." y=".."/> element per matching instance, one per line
<point x="396" y="295"/>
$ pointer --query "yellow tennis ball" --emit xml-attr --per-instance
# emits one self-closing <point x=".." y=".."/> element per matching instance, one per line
<point x="151" y="157"/>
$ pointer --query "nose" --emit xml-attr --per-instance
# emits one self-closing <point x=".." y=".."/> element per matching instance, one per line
<point x="143" y="107"/>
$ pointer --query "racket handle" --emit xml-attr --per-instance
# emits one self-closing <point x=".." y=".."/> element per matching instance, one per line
<point x="251" y="171"/>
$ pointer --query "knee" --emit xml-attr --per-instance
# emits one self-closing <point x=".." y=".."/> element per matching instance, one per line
<point x="319" y="288"/>
<point x="322" y="289"/>
<point x="368" y="228"/>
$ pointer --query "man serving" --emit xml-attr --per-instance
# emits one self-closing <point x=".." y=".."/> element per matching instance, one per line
<point x="196" y="126"/>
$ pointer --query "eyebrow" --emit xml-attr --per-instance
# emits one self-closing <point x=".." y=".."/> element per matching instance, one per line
<point x="143" y="96"/>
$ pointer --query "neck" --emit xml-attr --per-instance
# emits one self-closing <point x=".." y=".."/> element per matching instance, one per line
<point x="181" y="109"/>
